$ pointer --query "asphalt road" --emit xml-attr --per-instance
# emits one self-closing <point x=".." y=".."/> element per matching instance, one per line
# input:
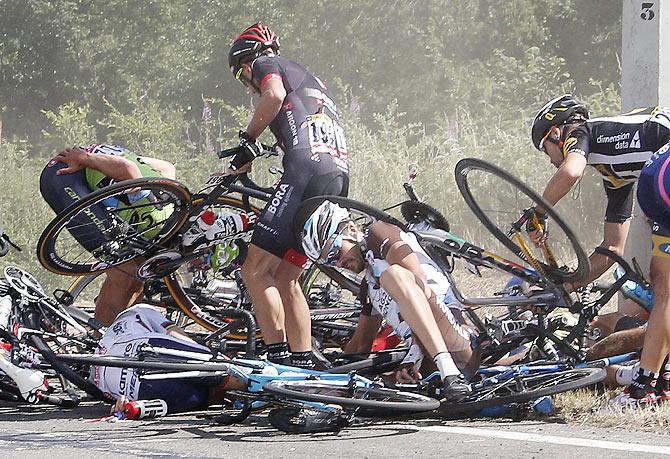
<point x="29" y="431"/>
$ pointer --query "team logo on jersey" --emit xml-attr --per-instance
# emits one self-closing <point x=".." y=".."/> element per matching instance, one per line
<point x="635" y="143"/>
<point x="294" y="129"/>
<point x="279" y="200"/>
<point x="622" y="140"/>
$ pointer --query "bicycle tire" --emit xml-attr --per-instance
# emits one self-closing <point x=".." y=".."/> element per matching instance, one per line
<point x="467" y="165"/>
<point x="308" y="206"/>
<point x="377" y="401"/>
<point x="538" y="385"/>
<point x="49" y="256"/>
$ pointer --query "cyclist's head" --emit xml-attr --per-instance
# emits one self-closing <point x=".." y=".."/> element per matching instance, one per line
<point x="557" y="112"/>
<point x="249" y="45"/>
<point x="324" y="233"/>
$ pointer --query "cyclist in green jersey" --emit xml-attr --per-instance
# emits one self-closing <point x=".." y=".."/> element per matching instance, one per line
<point x="78" y="171"/>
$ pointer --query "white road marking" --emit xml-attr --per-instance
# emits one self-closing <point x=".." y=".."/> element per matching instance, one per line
<point x="539" y="438"/>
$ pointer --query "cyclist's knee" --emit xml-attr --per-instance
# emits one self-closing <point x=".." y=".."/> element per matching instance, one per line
<point x="398" y="275"/>
<point x="258" y="265"/>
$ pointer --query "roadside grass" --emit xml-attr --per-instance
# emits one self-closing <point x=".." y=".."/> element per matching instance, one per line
<point x="591" y="408"/>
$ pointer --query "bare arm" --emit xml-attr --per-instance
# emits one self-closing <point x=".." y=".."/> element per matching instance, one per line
<point x="271" y="100"/>
<point x="165" y="168"/>
<point x="364" y="335"/>
<point x="116" y="167"/>
<point x="564" y="178"/>
<point x="614" y="239"/>
<point x="179" y="333"/>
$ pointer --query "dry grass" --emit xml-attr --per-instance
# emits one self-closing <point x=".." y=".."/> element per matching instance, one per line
<point x="589" y="408"/>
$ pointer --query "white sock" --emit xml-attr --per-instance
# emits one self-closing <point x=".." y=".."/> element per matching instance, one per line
<point x="445" y="364"/>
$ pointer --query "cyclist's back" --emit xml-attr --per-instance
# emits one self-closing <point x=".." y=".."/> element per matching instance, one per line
<point x="618" y="146"/>
<point x="62" y="185"/>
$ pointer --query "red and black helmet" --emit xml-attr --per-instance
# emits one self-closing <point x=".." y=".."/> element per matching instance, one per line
<point x="564" y="109"/>
<point x="250" y="44"/>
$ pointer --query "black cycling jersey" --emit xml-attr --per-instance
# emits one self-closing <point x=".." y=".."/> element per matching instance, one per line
<point x="296" y="125"/>
<point x="618" y="148"/>
<point x="315" y="152"/>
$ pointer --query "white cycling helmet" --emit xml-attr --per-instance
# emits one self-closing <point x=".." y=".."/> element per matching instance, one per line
<point x="321" y="227"/>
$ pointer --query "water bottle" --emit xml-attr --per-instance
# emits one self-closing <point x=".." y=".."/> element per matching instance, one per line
<point x="5" y="311"/>
<point x="202" y="224"/>
<point x="543" y="405"/>
<point x="140" y="409"/>
<point x="227" y="225"/>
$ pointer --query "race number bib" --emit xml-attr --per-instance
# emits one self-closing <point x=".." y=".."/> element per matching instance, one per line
<point x="326" y="136"/>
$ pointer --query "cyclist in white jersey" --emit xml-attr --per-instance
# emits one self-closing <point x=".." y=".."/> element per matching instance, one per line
<point x="404" y="286"/>
<point x="142" y="325"/>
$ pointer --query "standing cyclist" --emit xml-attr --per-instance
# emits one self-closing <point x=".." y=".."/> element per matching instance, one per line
<point x="299" y="110"/>
<point x="620" y="148"/>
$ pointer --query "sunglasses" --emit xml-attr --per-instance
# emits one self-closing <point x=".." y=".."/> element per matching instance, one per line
<point x="331" y="257"/>
<point x="548" y="138"/>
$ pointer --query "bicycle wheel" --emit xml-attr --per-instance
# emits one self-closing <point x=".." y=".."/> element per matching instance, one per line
<point x="116" y="224"/>
<point x="372" y="402"/>
<point x="524" y="388"/>
<point x="498" y="200"/>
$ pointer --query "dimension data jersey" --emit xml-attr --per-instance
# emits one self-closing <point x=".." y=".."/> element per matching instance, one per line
<point x="618" y="148"/>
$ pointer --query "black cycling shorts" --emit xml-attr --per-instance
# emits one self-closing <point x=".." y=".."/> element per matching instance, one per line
<point x="305" y="176"/>
<point x="180" y="394"/>
<point x="61" y="191"/>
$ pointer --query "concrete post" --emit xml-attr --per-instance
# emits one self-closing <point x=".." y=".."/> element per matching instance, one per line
<point x="645" y="82"/>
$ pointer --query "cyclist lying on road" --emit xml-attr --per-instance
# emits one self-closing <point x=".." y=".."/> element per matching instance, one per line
<point x="142" y="325"/>
<point x="76" y="172"/>
<point x="405" y="287"/>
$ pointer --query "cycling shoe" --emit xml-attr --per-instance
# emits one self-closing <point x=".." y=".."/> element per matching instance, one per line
<point x="456" y="388"/>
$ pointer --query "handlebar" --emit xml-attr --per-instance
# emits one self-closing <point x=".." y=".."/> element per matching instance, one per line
<point x="266" y="150"/>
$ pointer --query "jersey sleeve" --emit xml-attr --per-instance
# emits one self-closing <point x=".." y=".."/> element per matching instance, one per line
<point x="619" y="202"/>
<point x="265" y="68"/>
<point x="381" y="236"/>
<point x="577" y="142"/>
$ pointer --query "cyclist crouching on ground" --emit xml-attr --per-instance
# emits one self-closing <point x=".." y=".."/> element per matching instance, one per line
<point x="405" y="288"/>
